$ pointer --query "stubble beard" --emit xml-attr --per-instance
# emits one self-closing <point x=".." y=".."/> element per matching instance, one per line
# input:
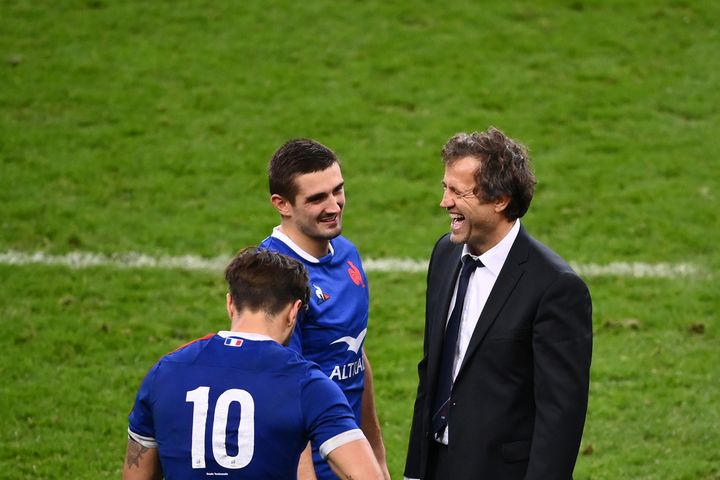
<point x="316" y="231"/>
<point x="460" y="237"/>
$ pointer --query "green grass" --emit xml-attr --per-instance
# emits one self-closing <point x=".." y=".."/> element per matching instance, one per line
<point x="147" y="126"/>
<point x="652" y="410"/>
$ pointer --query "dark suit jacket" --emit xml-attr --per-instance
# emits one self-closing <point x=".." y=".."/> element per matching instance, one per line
<point x="519" y="400"/>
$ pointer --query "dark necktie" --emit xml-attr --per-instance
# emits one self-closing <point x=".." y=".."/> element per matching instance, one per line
<point x="441" y="406"/>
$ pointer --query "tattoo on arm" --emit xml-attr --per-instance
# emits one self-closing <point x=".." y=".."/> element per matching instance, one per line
<point x="135" y="451"/>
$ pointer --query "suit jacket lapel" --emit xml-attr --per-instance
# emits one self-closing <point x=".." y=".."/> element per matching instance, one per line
<point x="446" y="279"/>
<point x="504" y="285"/>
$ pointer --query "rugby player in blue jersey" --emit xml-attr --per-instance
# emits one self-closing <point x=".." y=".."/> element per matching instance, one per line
<point x="239" y="404"/>
<point x="307" y="190"/>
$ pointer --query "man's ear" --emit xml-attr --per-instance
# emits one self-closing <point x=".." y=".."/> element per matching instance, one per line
<point x="281" y="204"/>
<point x="294" y="310"/>
<point x="501" y="203"/>
<point x="229" y="306"/>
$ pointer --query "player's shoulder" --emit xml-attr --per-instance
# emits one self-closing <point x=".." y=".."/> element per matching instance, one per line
<point x="280" y="358"/>
<point x="312" y="375"/>
<point x="189" y="351"/>
<point x="343" y="243"/>
<point x="296" y="369"/>
<point x="296" y="361"/>
<point x="275" y="244"/>
<point x="344" y="249"/>
<point x="318" y="388"/>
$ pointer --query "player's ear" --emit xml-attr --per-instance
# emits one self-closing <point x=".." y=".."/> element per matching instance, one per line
<point x="294" y="310"/>
<point x="229" y="305"/>
<point x="281" y="204"/>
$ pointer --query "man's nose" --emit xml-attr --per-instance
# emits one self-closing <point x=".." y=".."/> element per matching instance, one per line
<point x="333" y="205"/>
<point x="446" y="201"/>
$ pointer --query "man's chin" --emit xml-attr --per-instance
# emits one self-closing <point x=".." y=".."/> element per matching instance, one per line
<point x="331" y="233"/>
<point x="457" y="238"/>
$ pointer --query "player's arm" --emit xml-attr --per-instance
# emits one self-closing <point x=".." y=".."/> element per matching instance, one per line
<point x="141" y="462"/>
<point x="331" y="424"/>
<point x="306" y="467"/>
<point x="355" y="460"/>
<point x="370" y="424"/>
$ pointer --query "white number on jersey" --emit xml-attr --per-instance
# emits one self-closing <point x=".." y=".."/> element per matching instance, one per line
<point x="245" y="429"/>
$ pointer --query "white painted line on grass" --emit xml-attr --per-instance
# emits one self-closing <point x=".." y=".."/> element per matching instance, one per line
<point x="637" y="270"/>
<point x="194" y="262"/>
<point x="395" y="265"/>
<point x="124" y="260"/>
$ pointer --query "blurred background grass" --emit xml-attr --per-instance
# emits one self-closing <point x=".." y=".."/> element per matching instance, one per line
<point x="147" y="126"/>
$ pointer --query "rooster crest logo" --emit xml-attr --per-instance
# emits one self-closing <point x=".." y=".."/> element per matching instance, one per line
<point x="320" y="296"/>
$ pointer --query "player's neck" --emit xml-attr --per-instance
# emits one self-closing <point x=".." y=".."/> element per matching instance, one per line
<point x="259" y="323"/>
<point x="252" y="322"/>
<point x="316" y="247"/>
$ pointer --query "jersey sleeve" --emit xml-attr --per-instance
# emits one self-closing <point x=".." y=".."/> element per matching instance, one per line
<point x="328" y="418"/>
<point x="141" y="426"/>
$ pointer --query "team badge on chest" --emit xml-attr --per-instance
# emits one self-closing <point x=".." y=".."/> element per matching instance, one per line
<point x="320" y="296"/>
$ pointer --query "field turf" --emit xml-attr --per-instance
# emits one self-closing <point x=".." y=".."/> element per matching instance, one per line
<point x="147" y="127"/>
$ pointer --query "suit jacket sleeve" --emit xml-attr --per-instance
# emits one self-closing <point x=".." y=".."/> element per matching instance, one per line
<point x="414" y="462"/>
<point x="562" y="349"/>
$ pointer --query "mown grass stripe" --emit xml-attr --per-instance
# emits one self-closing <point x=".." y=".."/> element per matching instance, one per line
<point x="194" y="262"/>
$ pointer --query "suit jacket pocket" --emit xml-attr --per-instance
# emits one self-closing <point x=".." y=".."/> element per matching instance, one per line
<point x="515" y="451"/>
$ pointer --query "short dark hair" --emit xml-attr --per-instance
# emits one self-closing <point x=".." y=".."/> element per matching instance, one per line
<point x="261" y="280"/>
<point x="297" y="157"/>
<point x="505" y="168"/>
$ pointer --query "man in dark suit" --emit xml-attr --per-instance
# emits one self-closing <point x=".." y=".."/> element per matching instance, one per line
<point x="503" y="382"/>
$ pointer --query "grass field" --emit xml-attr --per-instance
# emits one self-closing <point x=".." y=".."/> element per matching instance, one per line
<point x="147" y="126"/>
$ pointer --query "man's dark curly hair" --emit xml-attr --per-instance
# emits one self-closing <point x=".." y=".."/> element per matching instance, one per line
<point x="504" y="169"/>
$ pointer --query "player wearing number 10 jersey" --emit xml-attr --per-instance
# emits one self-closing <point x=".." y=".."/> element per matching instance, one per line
<point x="239" y="404"/>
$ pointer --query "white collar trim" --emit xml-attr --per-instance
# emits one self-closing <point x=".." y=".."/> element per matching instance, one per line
<point x="246" y="335"/>
<point x="295" y="247"/>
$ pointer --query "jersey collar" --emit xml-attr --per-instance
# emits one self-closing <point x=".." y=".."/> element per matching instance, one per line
<point x="246" y="335"/>
<point x="276" y="233"/>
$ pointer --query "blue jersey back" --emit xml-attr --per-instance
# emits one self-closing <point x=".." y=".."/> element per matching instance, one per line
<point x="332" y="331"/>
<point x="236" y="407"/>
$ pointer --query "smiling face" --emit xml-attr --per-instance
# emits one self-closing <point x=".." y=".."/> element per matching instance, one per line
<point x="315" y="216"/>
<point x="475" y="222"/>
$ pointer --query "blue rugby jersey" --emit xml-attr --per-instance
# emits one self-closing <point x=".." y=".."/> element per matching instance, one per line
<point x="240" y="406"/>
<point x="331" y="332"/>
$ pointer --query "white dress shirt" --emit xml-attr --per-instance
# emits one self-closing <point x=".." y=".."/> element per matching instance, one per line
<point x="480" y="285"/>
